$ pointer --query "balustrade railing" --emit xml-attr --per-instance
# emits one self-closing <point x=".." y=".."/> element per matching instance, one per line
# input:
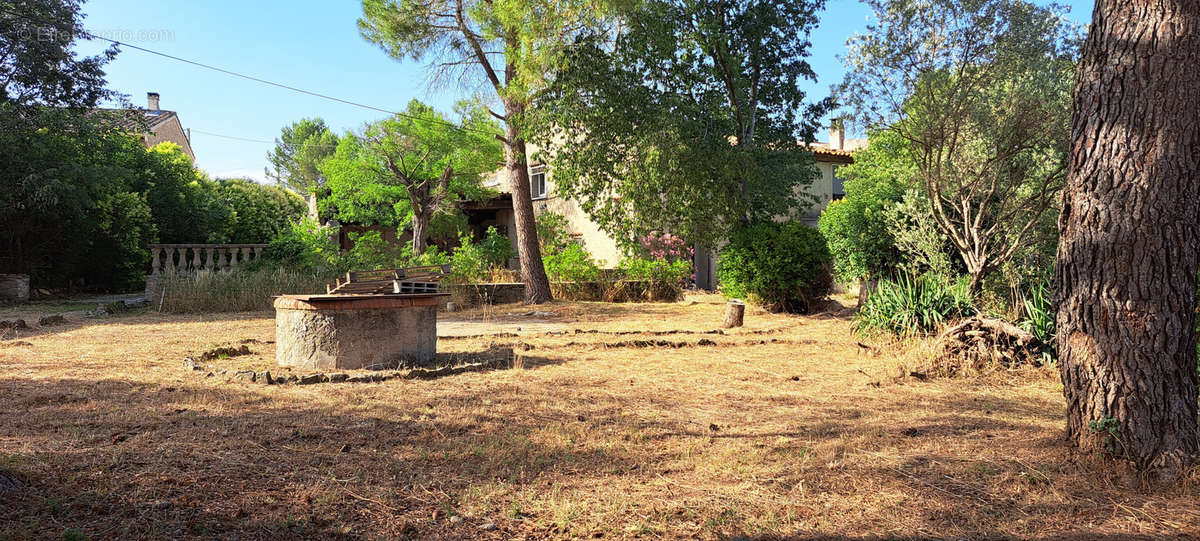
<point x="177" y="258"/>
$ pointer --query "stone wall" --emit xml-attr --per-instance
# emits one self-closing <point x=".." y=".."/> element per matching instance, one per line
<point x="14" y="287"/>
<point x="467" y="295"/>
<point x="364" y="332"/>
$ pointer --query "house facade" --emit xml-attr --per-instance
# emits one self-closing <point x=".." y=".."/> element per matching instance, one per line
<point x="159" y="125"/>
<point x="827" y="187"/>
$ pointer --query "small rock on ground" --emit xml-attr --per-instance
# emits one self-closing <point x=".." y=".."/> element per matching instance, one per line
<point x="49" y="321"/>
<point x="489" y="526"/>
<point x="9" y="483"/>
<point x="16" y="325"/>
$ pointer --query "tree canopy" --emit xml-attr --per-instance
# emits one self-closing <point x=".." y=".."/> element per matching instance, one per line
<point x="406" y="170"/>
<point x="860" y="236"/>
<point x="509" y="47"/>
<point x="692" y="120"/>
<point x="981" y="91"/>
<point x="298" y="153"/>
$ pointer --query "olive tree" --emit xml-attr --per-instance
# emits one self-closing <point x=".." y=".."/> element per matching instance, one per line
<point x="981" y="90"/>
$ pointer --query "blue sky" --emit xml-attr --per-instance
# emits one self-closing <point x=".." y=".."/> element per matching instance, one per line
<point x="314" y="45"/>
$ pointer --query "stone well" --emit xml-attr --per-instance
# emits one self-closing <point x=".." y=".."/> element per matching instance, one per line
<point x="321" y="332"/>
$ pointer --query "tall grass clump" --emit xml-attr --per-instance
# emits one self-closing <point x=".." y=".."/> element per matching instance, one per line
<point x="910" y="306"/>
<point x="234" y="291"/>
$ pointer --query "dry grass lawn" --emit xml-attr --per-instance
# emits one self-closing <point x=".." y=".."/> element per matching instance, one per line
<point x="786" y="428"/>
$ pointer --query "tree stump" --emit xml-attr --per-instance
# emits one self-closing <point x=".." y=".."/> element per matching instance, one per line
<point x="735" y="310"/>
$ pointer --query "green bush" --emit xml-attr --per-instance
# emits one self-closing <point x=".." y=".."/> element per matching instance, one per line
<point x="781" y="266"/>
<point x="473" y="261"/>
<point x="909" y="306"/>
<point x="659" y="271"/>
<point x="552" y="233"/>
<point x="572" y="264"/>
<point x="370" y="252"/>
<point x="303" y="247"/>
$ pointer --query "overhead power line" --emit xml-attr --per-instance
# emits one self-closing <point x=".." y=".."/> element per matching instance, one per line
<point x="88" y="35"/>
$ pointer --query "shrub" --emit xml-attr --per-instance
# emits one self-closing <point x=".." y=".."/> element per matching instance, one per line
<point x="474" y="261"/>
<point x="242" y="290"/>
<point x="572" y="264"/>
<point x="922" y="245"/>
<point x="552" y="233"/>
<point x="665" y="246"/>
<point x="304" y="247"/>
<point x="910" y="306"/>
<point x="781" y="266"/>
<point x="661" y="271"/>
<point x="370" y="252"/>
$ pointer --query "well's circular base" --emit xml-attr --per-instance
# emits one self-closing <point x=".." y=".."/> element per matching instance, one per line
<point x="322" y="332"/>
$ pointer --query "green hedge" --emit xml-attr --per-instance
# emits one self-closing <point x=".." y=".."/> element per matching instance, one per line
<point x="781" y="266"/>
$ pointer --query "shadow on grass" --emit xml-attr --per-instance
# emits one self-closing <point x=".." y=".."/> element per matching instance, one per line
<point x="126" y="459"/>
<point x="119" y="459"/>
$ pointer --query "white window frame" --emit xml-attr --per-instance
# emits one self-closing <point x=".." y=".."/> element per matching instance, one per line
<point x="533" y="192"/>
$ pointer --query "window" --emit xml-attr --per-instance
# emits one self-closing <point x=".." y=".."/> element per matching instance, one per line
<point x="839" y="188"/>
<point x="537" y="184"/>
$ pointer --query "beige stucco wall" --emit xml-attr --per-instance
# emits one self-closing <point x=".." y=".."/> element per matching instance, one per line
<point x="603" y="248"/>
<point x="822" y="188"/>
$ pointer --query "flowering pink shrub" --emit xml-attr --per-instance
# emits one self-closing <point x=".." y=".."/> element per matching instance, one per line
<point x="669" y="261"/>
<point x="666" y="246"/>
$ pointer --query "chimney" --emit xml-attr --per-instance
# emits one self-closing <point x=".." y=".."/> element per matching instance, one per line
<point x="837" y="136"/>
<point x="152" y="101"/>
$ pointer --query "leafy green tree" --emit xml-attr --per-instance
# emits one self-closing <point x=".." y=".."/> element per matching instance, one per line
<point x="406" y="170"/>
<point x="298" y="153"/>
<point x="39" y="66"/>
<point x="258" y="213"/>
<point x="860" y="236"/>
<point x="356" y="191"/>
<point x="512" y="47"/>
<point x="981" y="90"/>
<point x="52" y="167"/>
<point x="53" y="181"/>
<point x="184" y="204"/>
<point x="117" y="254"/>
<point x="690" y="121"/>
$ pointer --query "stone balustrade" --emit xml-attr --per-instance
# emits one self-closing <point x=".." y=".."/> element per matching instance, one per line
<point x="178" y="258"/>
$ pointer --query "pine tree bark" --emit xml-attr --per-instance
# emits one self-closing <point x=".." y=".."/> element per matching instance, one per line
<point x="1129" y="245"/>
<point x="533" y="271"/>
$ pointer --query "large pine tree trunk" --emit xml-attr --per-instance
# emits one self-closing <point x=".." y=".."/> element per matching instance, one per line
<point x="1128" y="251"/>
<point x="533" y="271"/>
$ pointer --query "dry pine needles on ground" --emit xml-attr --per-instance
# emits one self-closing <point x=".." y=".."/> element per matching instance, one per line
<point x="105" y="434"/>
